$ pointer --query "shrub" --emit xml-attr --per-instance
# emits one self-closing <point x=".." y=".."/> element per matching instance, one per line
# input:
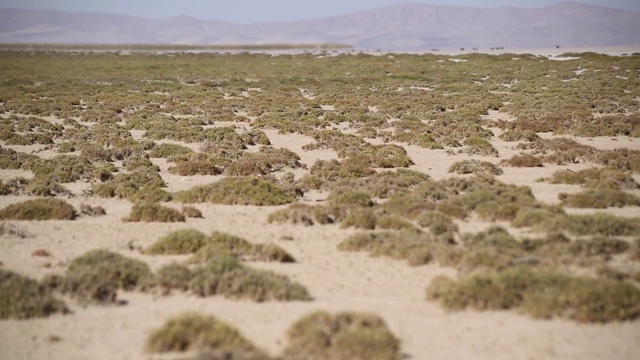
<point x="24" y="298"/>
<point x="479" y="146"/>
<point x="191" y="212"/>
<point x="415" y="247"/>
<point x="185" y="241"/>
<point x="221" y="244"/>
<point x="226" y="276"/>
<point x="98" y="274"/>
<point x="39" y="209"/>
<point x="150" y="212"/>
<point x="599" y="199"/>
<point x="195" y="167"/>
<point x="168" y="150"/>
<point x="475" y="167"/>
<point x="596" y="178"/>
<point x="360" y="218"/>
<point x="128" y="185"/>
<point x="307" y="215"/>
<point x="523" y="160"/>
<point x="238" y="191"/>
<point x="341" y="336"/>
<point x="542" y="294"/>
<point x="195" y="332"/>
<point x="437" y="222"/>
<point x="598" y="224"/>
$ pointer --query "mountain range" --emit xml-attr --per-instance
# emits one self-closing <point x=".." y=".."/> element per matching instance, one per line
<point x="406" y="27"/>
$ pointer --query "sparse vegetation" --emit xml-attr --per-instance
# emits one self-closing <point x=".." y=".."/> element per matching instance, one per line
<point x="39" y="209"/>
<point x="24" y="298"/>
<point x="341" y="336"/>
<point x="541" y="294"/>
<point x="152" y="212"/>
<point x="195" y="332"/>
<point x="238" y="191"/>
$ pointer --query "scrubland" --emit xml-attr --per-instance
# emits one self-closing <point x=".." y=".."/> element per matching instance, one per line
<point x="319" y="205"/>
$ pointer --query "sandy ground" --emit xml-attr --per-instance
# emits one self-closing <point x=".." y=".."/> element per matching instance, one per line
<point x="337" y="280"/>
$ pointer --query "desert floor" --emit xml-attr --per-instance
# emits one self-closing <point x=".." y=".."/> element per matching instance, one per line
<point x="337" y="280"/>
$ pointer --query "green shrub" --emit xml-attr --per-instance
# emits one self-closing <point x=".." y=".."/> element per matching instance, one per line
<point x="97" y="275"/>
<point x="415" y="247"/>
<point x="168" y="150"/>
<point x="39" y="209"/>
<point x="596" y="178"/>
<point x="298" y="213"/>
<point x="195" y="332"/>
<point x="341" y="336"/>
<point x="226" y="276"/>
<point x="360" y="218"/>
<point x="151" y="212"/>
<point x="221" y="244"/>
<point x="475" y="167"/>
<point x="599" y="199"/>
<point x="598" y="224"/>
<point x="542" y="294"/>
<point x="238" y="191"/>
<point x="128" y="185"/>
<point x="437" y="222"/>
<point x="479" y="146"/>
<point x="24" y="298"/>
<point x="523" y="160"/>
<point x="185" y="241"/>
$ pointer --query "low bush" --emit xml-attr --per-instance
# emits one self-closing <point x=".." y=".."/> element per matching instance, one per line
<point x="523" y="160"/>
<point x="596" y="178"/>
<point x="541" y="294"/>
<point x="24" y="298"/>
<point x="195" y="332"/>
<point x="168" y="150"/>
<point x="238" y="191"/>
<point x="151" y="212"/>
<point x="225" y="276"/>
<point x="97" y="275"/>
<point x="415" y="247"/>
<point x="222" y="244"/>
<point x="479" y="146"/>
<point x="191" y="212"/>
<point x="342" y="336"/>
<point x="599" y="199"/>
<point x="185" y="241"/>
<point x="475" y="167"/>
<point x="39" y="209"/>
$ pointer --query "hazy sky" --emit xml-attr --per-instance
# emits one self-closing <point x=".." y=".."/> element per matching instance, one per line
<point x="249" y="11"/>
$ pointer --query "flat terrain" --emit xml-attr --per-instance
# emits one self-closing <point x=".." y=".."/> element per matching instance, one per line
<point x="377" y="174"/>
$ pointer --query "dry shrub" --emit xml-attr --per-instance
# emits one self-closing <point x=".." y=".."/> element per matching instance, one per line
<point x="238" y="191"/>
<point x="24" y="298"/>
<point x="541" y="294"/>
<point x="475" y="167"/>
<point x="599" y="199"/>
<point x="39" y="209"/>
<point x="523" y="160"/>
<point x="342" y="336"/>
<point x="195" y="332"/>
<point x="151" y="212"/>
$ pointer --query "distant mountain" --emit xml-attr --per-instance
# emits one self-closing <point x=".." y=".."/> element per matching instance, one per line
<point x="403" y="27"/>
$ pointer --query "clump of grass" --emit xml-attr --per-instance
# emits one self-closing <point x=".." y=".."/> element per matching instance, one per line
<point x="394" y="222"/>
<point x="169" y="150"/>
<point x="479" y="146"/>
<point x="415" y="247"/>
<point x="128" y="185"/>
<point x="341" y="336"/>
<point x="238" y="191"/>
<point x="223" y="244"/>
<point x="596" y="178"/>
<point x="308" y="215"/>
<point x="24" y="298"/>
<point x="191" y="212"/>
<point x="152" y="212"/>
<point x="97" y="275"/>
<point x="224" y="275"/>
<point x="475" y="167"/>
<point x="599" y="246"/>
<point x="523" y="160"/>
<point x="599" y="199"/>
<point x="597" y="224"/>
<point x="437" y="222"/>
<point x="39" y="209"/>
<point x="195" y="332"/>
<point x="360" y="218"/>
<point x="185" y="241"/>
<point x="541" y="294"/>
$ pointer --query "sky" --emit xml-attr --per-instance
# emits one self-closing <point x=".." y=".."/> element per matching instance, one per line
<point x="252" y="11"/>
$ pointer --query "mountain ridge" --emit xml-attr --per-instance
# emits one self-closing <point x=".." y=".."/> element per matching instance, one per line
<point x="407" y="26"/>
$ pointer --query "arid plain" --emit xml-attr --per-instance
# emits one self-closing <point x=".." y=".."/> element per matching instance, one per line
<point x="481" y="206"/>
